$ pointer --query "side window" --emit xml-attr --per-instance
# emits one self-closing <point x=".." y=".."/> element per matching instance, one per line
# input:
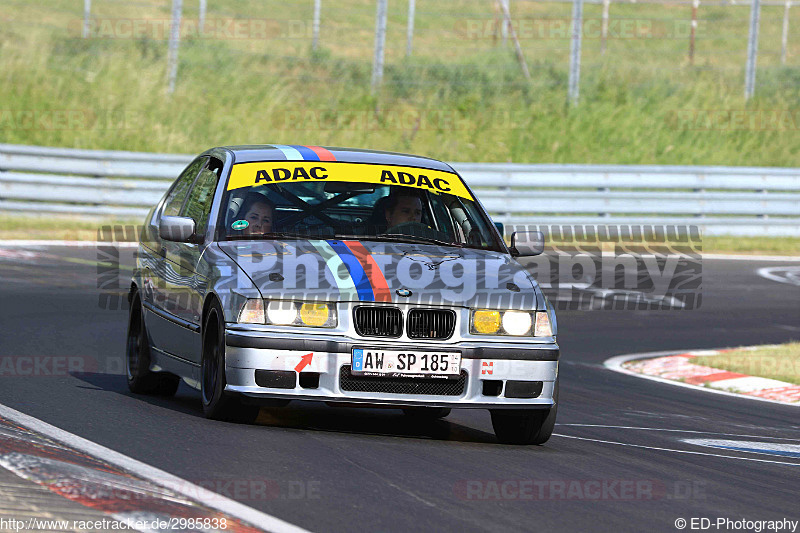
<point x="198" y="206"/>
<point x="441" y="219"/>
<point x="174" y="201"/>
<point x="479" y="234"/>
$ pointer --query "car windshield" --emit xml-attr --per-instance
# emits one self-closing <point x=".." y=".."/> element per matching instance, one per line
<point x="285" y="200"/>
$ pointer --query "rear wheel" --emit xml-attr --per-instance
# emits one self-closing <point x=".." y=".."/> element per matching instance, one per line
<point x="137" y="358"/>
<point x="218" y="404"/>
<point x="528" y="426"/>
<point x="426" y="413"/>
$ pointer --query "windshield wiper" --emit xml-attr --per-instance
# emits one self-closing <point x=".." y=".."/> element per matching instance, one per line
<point x="400" y="237"/>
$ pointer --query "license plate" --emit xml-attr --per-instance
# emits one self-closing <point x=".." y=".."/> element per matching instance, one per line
<point x="405" y="363"/>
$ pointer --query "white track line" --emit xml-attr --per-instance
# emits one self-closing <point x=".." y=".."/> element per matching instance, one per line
<point x="154" y="475"/>
<point x="615" y="364"/>
<point x="748" y="446"/>
<point x="679" y="431"/>
<point x="769" y="273"/>
<point x="733" y="257"/>
<point x="689" y="452"/>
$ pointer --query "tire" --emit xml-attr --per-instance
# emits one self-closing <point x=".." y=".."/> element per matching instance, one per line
<point x="529" y="426"/>
<point x="218" y="404"/>
<point x="426" y="413"/>
<point x="137" y="358"/>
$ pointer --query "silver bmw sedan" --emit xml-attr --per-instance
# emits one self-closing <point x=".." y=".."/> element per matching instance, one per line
<point x="275" y="273"/>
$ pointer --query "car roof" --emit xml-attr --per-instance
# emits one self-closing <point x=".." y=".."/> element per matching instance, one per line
<point x="278" y="152"/>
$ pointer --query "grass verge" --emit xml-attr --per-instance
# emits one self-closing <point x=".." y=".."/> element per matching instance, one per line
<point x="752" y="245"/>
<point x="33" y="227"/>
<point x="781" y="362"/>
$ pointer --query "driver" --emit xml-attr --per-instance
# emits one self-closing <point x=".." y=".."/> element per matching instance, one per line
<point x="403" y="206"/>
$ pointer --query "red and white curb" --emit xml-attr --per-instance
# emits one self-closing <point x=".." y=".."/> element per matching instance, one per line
<point x="676" y="368"/>
<point x="142" y="497"/>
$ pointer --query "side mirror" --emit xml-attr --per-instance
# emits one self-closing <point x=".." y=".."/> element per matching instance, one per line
<point x="177" y="229"/>
<point x="532" y="243"/>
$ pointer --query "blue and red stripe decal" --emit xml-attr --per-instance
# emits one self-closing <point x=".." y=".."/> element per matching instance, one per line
<point x="380" y="289"/>
<point x="356" y="270"/>
<point x="296" y="152"/>
<point x="365" y="280"/>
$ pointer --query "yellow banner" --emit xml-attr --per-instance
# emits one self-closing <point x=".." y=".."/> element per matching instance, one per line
<point x="277" y="172"/>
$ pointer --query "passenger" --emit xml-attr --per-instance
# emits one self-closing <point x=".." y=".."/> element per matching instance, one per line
<point x="258" y="212"/>
<point x="403" y="206"/>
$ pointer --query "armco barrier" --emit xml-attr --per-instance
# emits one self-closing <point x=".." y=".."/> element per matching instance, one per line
<point x="720" y="200"/>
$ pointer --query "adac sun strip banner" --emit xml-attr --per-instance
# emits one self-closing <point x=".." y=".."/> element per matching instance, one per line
<point x="269" y="173"/>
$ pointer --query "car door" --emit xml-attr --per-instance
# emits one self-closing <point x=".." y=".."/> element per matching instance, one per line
<point x="163" y="289"/>
<point x="183" y="258"/>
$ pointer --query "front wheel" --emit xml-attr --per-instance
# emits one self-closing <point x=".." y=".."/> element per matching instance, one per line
<point x="525" y="426"/>
<point x="218" y="404"/>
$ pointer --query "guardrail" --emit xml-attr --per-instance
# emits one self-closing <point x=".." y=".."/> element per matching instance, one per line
<point x="720" y="200"/>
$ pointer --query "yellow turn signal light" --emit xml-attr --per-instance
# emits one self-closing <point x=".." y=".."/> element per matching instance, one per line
<point x="486" y="322"/>
<point x="314" y="314"/>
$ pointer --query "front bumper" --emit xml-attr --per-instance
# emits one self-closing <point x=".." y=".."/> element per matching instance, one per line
<point x="247" y="352"/>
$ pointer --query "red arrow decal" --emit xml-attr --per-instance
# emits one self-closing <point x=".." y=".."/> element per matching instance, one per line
<point x="304" y="361"/>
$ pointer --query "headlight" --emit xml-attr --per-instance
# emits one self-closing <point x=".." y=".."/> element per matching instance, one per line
<point x="513" y="323"/>
<point x="517" y="323"/>
<point x="308" y="314"/>
<point x="281" y="313"/>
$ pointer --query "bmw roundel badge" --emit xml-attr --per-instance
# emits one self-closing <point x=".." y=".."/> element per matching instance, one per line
<point x="403" y="292"/>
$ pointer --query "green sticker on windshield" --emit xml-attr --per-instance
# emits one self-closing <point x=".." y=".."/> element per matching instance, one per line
<point x="240" y="224"/>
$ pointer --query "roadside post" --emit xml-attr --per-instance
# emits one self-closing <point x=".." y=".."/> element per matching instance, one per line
<point x="785" y="33"/>
<point x="174" y="40"/>
<point x="201" y="21"/>
<point x="87" y="13"/>
<point x="410" y="28"/>
<point x="695" y="5"/>
<point x="575" y="52"/>
<point x="604" y="28"/>
<point x="380" y="42"/>
<point x="752" y="51"/>
<point x="315" y="24"/>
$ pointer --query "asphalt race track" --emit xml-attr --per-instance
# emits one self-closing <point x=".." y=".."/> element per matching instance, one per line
<point x="618" y="460"/>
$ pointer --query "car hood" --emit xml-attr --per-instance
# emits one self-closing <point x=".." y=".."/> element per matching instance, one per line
<point x="388" y="272"/>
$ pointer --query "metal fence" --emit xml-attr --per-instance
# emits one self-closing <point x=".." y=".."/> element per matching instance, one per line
<point x="720" y="200"/>
<point x="527" y="30"/>
<point x="661" y="35"/>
